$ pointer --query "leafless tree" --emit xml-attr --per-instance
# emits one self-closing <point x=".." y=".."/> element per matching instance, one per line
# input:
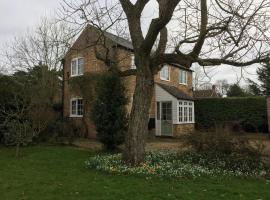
<point x="47" y="43"/>
<point x="202" y="77"/>
<point x="222" y="86"/>
<point x="207" y="32"/>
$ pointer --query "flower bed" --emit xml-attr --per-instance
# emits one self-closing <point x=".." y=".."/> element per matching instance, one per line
<point x="170" y="164"/>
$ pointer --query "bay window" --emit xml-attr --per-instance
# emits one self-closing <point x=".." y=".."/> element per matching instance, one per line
<point x="186" y="112"/>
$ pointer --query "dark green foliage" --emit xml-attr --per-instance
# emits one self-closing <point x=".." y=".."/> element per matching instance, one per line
<point x="250" y="112"/>
<point x="264" y="78"/>
<point x="86" y="85"/>
<point x="253" y="88"/>
<point x="109" y="110"/>
<point x="236" y="91"/>
<point x="263" y="85"/>
<point x="28" y="104"/>
<point x="13" y="105"/>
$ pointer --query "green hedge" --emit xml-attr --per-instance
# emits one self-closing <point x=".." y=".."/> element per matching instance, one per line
<point x="249" y="112"/>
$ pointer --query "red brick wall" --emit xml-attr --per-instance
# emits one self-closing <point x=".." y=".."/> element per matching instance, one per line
<point x="83" y="47"/>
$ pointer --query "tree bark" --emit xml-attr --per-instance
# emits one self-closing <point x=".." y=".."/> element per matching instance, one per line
<point x="138" y="123"/>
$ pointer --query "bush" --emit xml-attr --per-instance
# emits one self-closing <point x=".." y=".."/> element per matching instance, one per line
<point x="109" y="111"/>
<point x="250" y="113"/>
<point x="72" y="129"/>
<point x="28" y="104"/>
<point x="223" y="143"/>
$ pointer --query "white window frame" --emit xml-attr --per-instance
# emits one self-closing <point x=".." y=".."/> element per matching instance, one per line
<point x="133" y="65"/>
<point x="162" y="73"/>
<point x="185" y="106"/>
<point x="72" y="100"/>
<point x="183" y="82"/>
<point x="77" y="67"/>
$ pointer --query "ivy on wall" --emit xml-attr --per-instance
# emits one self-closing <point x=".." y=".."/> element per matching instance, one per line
<point x="249" y="112"/>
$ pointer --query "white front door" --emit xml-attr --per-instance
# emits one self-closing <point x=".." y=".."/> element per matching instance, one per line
<point x="164" y="123"/>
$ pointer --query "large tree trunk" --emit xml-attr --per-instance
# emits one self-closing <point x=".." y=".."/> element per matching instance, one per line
<point x="138" y="124"/>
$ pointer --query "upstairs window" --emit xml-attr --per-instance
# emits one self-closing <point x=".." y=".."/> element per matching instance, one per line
<point x="186" y="112"/>
<point x="77" y="66"/>
<point x="133" y="66"/>
<point x="183" y="77"/>
<point x="165" y="73"/>
<point x="76" y="107"/>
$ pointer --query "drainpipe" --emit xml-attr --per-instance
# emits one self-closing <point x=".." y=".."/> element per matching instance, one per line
<point x="63" y="87"/>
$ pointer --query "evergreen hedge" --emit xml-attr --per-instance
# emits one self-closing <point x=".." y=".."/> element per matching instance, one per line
<point x="109" y="110"/>
<point x="249" y="112"/>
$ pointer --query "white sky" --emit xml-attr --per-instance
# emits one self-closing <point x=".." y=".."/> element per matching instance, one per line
<point x="19" y="15"/>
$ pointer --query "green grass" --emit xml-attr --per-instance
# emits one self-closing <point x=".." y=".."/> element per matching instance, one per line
<point x="57" y="172"/>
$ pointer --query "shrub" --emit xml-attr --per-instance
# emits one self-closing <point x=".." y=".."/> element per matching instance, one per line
<point x="72" y="129"/>
<point x="109" y="111"/>
<point x="222" y="143"/>
<point x="249" y="112"/>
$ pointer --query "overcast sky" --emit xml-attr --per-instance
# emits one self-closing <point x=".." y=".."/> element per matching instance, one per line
<point x="19" y="15"/>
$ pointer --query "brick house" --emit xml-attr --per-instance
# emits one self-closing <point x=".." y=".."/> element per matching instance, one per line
<point x="172" y="108"/>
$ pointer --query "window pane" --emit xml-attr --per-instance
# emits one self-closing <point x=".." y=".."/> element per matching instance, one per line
<point x="180" y="114"/>
<point x="73" y="67"/>
<point x="183" y="77"/>
<point x="190" y="115"/>
<point x="185" y="114"/>
<point x="133" y="66"/>
<point x="79" y="107"/>
<point x="73" y="107"/>
<point x="164" y="73"/>
<point x="80" y="66"/>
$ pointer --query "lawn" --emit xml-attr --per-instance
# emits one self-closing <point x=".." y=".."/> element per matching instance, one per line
<point x="58" y="172"/>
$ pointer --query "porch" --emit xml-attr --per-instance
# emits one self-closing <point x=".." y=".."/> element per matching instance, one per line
<point x="174" y="111"/>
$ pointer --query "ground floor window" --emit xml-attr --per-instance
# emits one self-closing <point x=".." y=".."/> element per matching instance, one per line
<point x="186" y="112"/>
<point x="76" y="107"/>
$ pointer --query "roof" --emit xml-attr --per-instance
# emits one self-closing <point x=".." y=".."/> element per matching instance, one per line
<point x="181" y="67"/>
<point x="119" y="40"/>
<point x="174" y="91"/>
<point x="114" y="38"/>
<point x="205" y="94"/>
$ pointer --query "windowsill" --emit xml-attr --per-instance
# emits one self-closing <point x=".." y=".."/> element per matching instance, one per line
<point x="76" y="116"/>
<point x="76" y="75"/>
<point x="185" y="84"/>
<point x="179" y="123"/>
<point x="163" y="79"/>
